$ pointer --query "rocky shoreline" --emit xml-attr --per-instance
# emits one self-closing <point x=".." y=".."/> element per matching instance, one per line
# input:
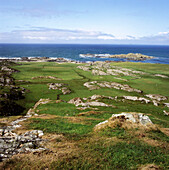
<point x="129" y="56"/>
<point x="38" y="59"/>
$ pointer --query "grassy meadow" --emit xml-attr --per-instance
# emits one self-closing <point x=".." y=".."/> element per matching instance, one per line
<point x="72" y="141"/>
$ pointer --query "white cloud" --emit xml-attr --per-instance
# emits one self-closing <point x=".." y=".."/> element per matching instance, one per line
<point x="163" y="33"/>
<point x="50" y="35"/>
<point x="160" y="38"/>
<point x="35" y="38"/>
<point x="43" y="34"/>
<point x="104" y="37"/>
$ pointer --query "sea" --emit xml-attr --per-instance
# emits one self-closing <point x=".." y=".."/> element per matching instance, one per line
<point x="72" y="51"/>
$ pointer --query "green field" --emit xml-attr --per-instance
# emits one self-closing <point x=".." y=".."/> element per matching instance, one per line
<point x="72" y="141"/>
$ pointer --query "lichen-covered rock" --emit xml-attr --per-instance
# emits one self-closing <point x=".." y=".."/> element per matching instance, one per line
<point x="55" y="86"/>
<point x="95" y="103"/>
<point x="157" y="97"/>
<point x="160" y="75"/>
<point x="99" y="72"/>
<point x="91" y="85"/>
<point x="79" y="102"/>
<point x="76" y="101"/>
<point x="60" y="86"/>
<point x="104" y="68"/>
<point x="166" y="113"/>
<point x="95" y="96"/>
<point x="166" y="104"/>
<point x="12" y="144"/>
<point x="65" y="90"/>
<point x="96" y="85"/>
<point x="84" y="68"/>
<point x="126" y="120"/>
<point x="135" y="98"/>
<point x="41" y="101"/>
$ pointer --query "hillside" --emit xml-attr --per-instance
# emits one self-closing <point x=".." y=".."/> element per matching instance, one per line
<point x="67" y="102"/>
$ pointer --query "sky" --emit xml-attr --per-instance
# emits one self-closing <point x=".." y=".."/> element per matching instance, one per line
<point x="85" y="21"/>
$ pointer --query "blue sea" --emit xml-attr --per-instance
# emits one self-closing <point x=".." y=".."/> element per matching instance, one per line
<point x="72" y="51"/>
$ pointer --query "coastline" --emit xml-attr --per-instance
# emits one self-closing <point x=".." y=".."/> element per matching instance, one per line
<point x="129" y="56"/>
<point x="66" y="60"/>
<point x="72" y="52"/>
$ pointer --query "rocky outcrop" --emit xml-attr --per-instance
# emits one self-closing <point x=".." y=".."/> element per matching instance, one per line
<point x="126" y="120"/>
<point x="8" y="70"/>
<point x="160" y="75"/>
<point x="60" y="86"/>
<point x="38" y="59"/>
<point x="156" y="97"/>
<point x="166" y="113"/>
<point x="135" y="98"/>
<point x="65" y="90"/>
<point x="132" y="56"/>
<point x="76" y="101"/>
<point x="99" y="72"/>
<point x="84" y="68"/>
<point x="79" y="102"/>
<point x="96" y="85"/>
<point x="166" y="104"/>
<point x="12" y="143"/>
<point x="103" y="69"/>
<point x="31" y="111"/>
<point x="91" y="85"/>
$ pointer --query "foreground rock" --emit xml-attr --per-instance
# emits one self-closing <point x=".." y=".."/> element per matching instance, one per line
<point x="126" y="120"/>
<point x="12" y="143"/>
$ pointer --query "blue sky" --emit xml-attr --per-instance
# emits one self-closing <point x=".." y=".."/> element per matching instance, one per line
<point x="85" y="21"/>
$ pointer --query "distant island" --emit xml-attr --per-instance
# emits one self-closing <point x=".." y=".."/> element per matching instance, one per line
<point x="129" y="56"/>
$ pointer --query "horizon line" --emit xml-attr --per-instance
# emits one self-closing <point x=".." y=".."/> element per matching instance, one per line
<point x="84" y="44"/>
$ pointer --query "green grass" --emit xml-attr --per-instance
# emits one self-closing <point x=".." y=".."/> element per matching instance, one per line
<point x="60" y="109"/>
<point x="118" y="132"/>
<point x="75" y="78"/>
<point x="63" y="126"/>
<point x="158" y="135"/>
<point x="128" y="156"/>
<point x="121" y="155"/>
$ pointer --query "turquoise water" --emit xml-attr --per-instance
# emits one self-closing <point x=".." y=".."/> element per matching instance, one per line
<point x="72" y="51"/>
